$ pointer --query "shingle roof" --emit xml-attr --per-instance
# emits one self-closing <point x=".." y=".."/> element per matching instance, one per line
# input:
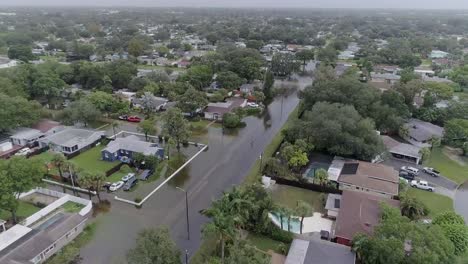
<point x="359" y="213"/>
<point x="423" y="131"/>
<point x="394" y="146"/>
<point x="319" y="252"/>
<point x="132" y="143"/>
<point x="376" y="177"/>
<point x="70" y="136"/>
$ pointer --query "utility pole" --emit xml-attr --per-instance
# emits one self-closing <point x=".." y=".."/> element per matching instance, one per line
<point x="186" y="211"/>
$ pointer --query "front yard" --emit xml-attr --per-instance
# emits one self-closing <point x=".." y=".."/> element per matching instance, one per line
<point x="436" y="203"/>
<point x="265" y="243"/>
<point x="448" y="167"/>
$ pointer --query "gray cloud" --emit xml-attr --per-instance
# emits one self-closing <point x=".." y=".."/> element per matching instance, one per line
<point x="419" y="4"/>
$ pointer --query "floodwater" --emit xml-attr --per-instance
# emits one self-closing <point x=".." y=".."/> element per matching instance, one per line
<point x="461" y="201"/>
<point x="225" y="163"/>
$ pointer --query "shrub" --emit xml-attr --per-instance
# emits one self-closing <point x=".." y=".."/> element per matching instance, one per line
<point x="231" y="120"/>
<point x="281" y="235"/>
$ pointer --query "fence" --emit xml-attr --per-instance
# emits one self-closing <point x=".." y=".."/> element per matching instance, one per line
<point x="306" y="185"/>
<point x="115" y="169"/>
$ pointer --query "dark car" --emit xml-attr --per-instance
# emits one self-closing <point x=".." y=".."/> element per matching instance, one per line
<point x="130" y="183"/>
<point x="145" y="175"/>
<point x="406" y="175"/>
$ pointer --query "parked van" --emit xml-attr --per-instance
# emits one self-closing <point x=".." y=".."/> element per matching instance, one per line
<point x="410" y="170"/>
<point x="130" y="183"/>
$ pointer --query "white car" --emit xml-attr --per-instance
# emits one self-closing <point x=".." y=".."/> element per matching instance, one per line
<point x="423" y="185"/>
<point x="127" y="177"/>
<point x="23" y="152"/>
<point x="115" y="186"/>
<point x="253" y="105"/>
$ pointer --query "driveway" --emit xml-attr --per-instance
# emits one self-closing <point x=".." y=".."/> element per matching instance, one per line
<point x="443" y="185"/>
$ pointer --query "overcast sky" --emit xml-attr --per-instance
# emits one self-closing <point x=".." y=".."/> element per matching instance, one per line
<point x="419" y="4"/>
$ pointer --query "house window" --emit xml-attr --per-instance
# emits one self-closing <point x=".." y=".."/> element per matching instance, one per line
<point x="49" y="249"/>
<point x="71" y="232"/>
<point x="66" y="149"/>
<point x="37" y="259"/>
<point x="75" y="148"/>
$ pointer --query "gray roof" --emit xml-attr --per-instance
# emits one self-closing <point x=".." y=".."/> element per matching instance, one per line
<point x="132" y="143"/>
<point x="394" y="146"/>
<point x="319" y="252"/>
<point x="70" y="137"/>
<point x="423" y="131"/>
<point x="386" y="76"/>
<point x="36" y="241"/>
<point x="26" y="133"/>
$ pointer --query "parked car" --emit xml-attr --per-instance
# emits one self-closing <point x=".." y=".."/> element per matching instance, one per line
<point x="134" y="119"/>
<point x="123" y="117"/>
<point x="129" y="185"/>
<point x="23" y="152"/>
<point x="254" y="105"/>
<point x="106" y="185"/>
<point x="145" y="175"/>
<point x="406" y="175"/>
<point x="115" y="186"/>
<point x="128" y="177"/>
<point x="423" y="185"/>
<point x="410" y="170"/>
<point x="431" y="171"/>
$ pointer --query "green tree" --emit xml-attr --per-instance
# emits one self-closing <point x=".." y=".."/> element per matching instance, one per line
<point x="198" y="76"/>
<point x="107" y="103"/>
<point x="18" y="175"/>
<point x="412" y="207"/>
<point x="327" y="55"/>
<point x="191" y="101"/>
<point x="425" y="154"/>
<point x="231" y="120"/>
<point x="81" y="111"/>
<point x="321" y="177"/>
<point x="222" y="226"/>
<point x="175" y="126"/>
<point x="241" y="252"/>
<point x="284" y="64"/>
<point x="154" y="246"/>
<point x="92" y="181"/>
<point x="17" y="112"/>
<point x="121" y="73"/>
<point x="229" y="80"/>
<point x="136" y="47"/>
<point x="48" y="86"/>
<point x="268" y="85"/>
<point x="305" y="56"/>
<point x="21" y="52"/>
<point x="147" y="126"/>
<point x="298" y="160"/>
<point x="303" y="209"/>
<point x="456" y="132"/>
<point x="455" y="229"/>
<point x="59" y="161"/>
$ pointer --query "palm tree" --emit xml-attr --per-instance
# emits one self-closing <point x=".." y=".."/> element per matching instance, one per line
<point x="303" y="209"/>
<point x="411" y="207"/>
<point x="289" y="213"/>
<point x="92" y="182"/>
<point x="282" y="211"/>
<point x="170" y="143"/>
<point x="59" y="160"/>
<point x="222" y="226"/>
<point x="72" y="172"/>
<point x="321" y="177"/>
<point x="114" y="125"/>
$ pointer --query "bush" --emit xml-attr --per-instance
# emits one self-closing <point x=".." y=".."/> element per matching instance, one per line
<point x="280" y="235"/>
<point x="231" y="120"/>
<point x="137" y="200"/>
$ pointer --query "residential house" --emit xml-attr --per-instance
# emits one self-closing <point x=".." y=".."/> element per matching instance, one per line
<point x="28" y="136"/>
<point x="71" y="140"/>
<point x="377" y="179"/>
<point x="346" y="55"/>
<point x="438" y="54"/>
<point x="388" y="78"/>
<point x="7" y="63"/>
<point x="402" y="151"/>
<point x="436" y="79"/>
<point x="359" y="213"/>
<point x="151" y="102"/>
<point x="123" y="149"/>
<point x="420" y="133"/>
<point x="333" y="205"/>
<point x="216" y="111"/>
<point x="424" y="71"/>
<point x="315" y="251"/>
<point x="44" y="233"/>
<point x="391" y="69"/>
<point x="148" y="60"/>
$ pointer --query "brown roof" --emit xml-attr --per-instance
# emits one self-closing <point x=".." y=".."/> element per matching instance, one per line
<point x="45" y="125"/>
<point x="222" y="108"/>
<point x="359" y="213"/>
<point x="376" y="177"/>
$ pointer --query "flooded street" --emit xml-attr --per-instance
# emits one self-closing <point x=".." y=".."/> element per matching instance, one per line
<point x="460" y="201"/>
<point x="227" y="160"/>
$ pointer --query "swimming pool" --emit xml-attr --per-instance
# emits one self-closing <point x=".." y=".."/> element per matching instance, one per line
<point x="313" y="167"/>
<point x="294" y="223"/>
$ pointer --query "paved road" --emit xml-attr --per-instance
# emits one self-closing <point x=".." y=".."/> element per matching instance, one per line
<point x="460" y="201"/>
<point x="225" y="164"/>
<point x="443" y="185"/>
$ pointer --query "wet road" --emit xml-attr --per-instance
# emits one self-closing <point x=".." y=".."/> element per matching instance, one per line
<point x="225" y="164"/>
<point x="460" y="201"/>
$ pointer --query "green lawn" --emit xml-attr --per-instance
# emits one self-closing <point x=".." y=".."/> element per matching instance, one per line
<point x="436" y="203"/>
<point x="288" y="196"/>
<point x="265" y="243"/>
<point x="71" y="207"/>
<point x="90" y="160"/>
<point x="448" y="167"/>
<point x="25" y="209"/>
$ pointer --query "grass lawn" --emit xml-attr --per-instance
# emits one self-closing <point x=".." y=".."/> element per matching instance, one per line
<point x="71" y="207"/>
<point x="435" y="202"/>
<point x="288" y="196"/>
<point x="448" y="167"/>
<point x="90" y="160"/>
<point x="265" y="243"/>
<point x="25" y="209"/>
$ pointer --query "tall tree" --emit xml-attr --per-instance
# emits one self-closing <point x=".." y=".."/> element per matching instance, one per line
<point x="59" y="161"/>
<point x="303" y="209"/>
<point x="81" y="111"/>
<point x="154" y="246"/>
<point x="92" y="181"/>
<point x="412" y="207"/>
<point x="241" y="252"/>
<point x="175" y="126"/>
<point x="17" y="111"/>
<point x="268" y="85"/>
<point x="191" y="101"/>
<point x="305" y="56"/>
<point x="147" y="127"/>
<point x="321" y="177"/>
<point x="284" y="64"/>
<point x="223" y="227"/>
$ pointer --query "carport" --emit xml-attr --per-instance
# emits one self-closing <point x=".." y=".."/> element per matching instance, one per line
<point x="402" y="151"/>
